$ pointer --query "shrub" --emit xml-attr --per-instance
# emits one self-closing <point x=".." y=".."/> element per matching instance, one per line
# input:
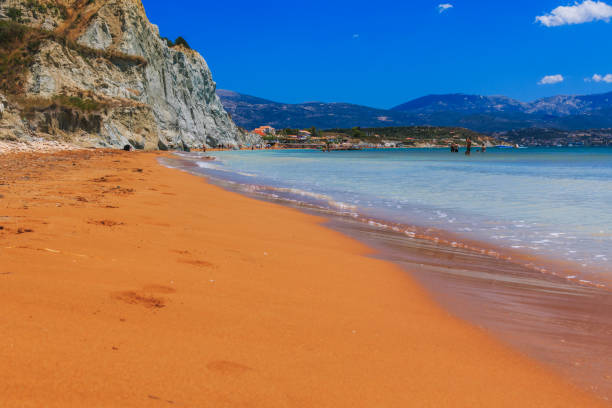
<point x="59" y="9"/>
<point x="36" y="6"/>
<point x="181" y="41"/>
<point x="11" y="31"/>
<point x="13" y="13"/>
<point x="33" y="46"/>
<point x="32" y="104"/>
<point x="86" y="105"/>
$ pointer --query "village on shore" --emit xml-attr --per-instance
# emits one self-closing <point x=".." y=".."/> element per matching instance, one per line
<point x="357" y="138"/>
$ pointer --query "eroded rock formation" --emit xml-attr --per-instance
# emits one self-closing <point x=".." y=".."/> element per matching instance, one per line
<point x="98" y="72"/>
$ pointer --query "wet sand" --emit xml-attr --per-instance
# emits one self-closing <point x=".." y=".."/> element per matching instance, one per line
<point x="557" y="321"/>
<point x="124" y="283"/>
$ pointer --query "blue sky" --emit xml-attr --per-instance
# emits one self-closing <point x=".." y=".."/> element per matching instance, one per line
<point x="383" y="53"/>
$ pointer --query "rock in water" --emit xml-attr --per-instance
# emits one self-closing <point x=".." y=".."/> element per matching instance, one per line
<point x="105" y="77"/>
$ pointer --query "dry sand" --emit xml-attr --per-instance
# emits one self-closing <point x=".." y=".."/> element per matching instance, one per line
<point x="35" y="146"/>
<point x="126" y="284"/>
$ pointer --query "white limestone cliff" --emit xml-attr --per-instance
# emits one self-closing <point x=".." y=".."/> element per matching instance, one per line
<point x="146" y="93"/>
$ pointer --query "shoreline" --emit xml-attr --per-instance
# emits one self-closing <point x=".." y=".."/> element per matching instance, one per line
<point x="544" y="264"/>
<point x="517" y="291"/>
<point x="145" y="284"/>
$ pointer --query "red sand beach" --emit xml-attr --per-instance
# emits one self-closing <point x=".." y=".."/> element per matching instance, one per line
<point x="127" y="284"/>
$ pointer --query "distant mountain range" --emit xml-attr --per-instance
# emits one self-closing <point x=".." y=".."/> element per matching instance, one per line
<point x="480" y="113"/>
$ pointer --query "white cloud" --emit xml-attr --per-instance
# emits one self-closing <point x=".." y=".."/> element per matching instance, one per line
<point x="579" y="13"/>
<point x="443" y="7"/>
<point x="551" y="79"/>
<point x="600" y="78"/>
<point x="355" y="35"/>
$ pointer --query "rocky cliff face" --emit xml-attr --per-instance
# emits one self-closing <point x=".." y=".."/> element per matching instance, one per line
<point x="103" y="76"/>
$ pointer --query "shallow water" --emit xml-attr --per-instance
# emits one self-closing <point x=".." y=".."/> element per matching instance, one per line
<point x="550" y="202"/>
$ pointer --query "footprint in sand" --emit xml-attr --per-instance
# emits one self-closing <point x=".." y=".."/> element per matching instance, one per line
<point x="147" y="297"/>
<point x="105" y="223"/>
<point x="197" y="262"/>
<point x="120" y="190"/>
<point x="228" y="367"/>
<point x="155" y="397"/>
<point x="111" y="178"/>
<point x="136" y="298"/>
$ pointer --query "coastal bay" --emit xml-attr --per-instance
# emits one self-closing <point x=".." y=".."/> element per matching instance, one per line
<point x="148" y="286"/>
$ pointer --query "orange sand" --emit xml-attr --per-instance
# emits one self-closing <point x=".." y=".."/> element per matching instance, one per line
<point x="152" y="288"/>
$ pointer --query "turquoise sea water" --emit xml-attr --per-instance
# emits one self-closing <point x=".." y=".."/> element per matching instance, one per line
<point x="555" y="203"/>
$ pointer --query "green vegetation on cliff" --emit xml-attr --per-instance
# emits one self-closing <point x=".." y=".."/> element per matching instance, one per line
<point x="179" y="41"/>
<point x="19" y="43"/>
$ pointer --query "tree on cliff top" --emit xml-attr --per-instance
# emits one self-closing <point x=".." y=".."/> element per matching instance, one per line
<point x="181" y="41"/>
